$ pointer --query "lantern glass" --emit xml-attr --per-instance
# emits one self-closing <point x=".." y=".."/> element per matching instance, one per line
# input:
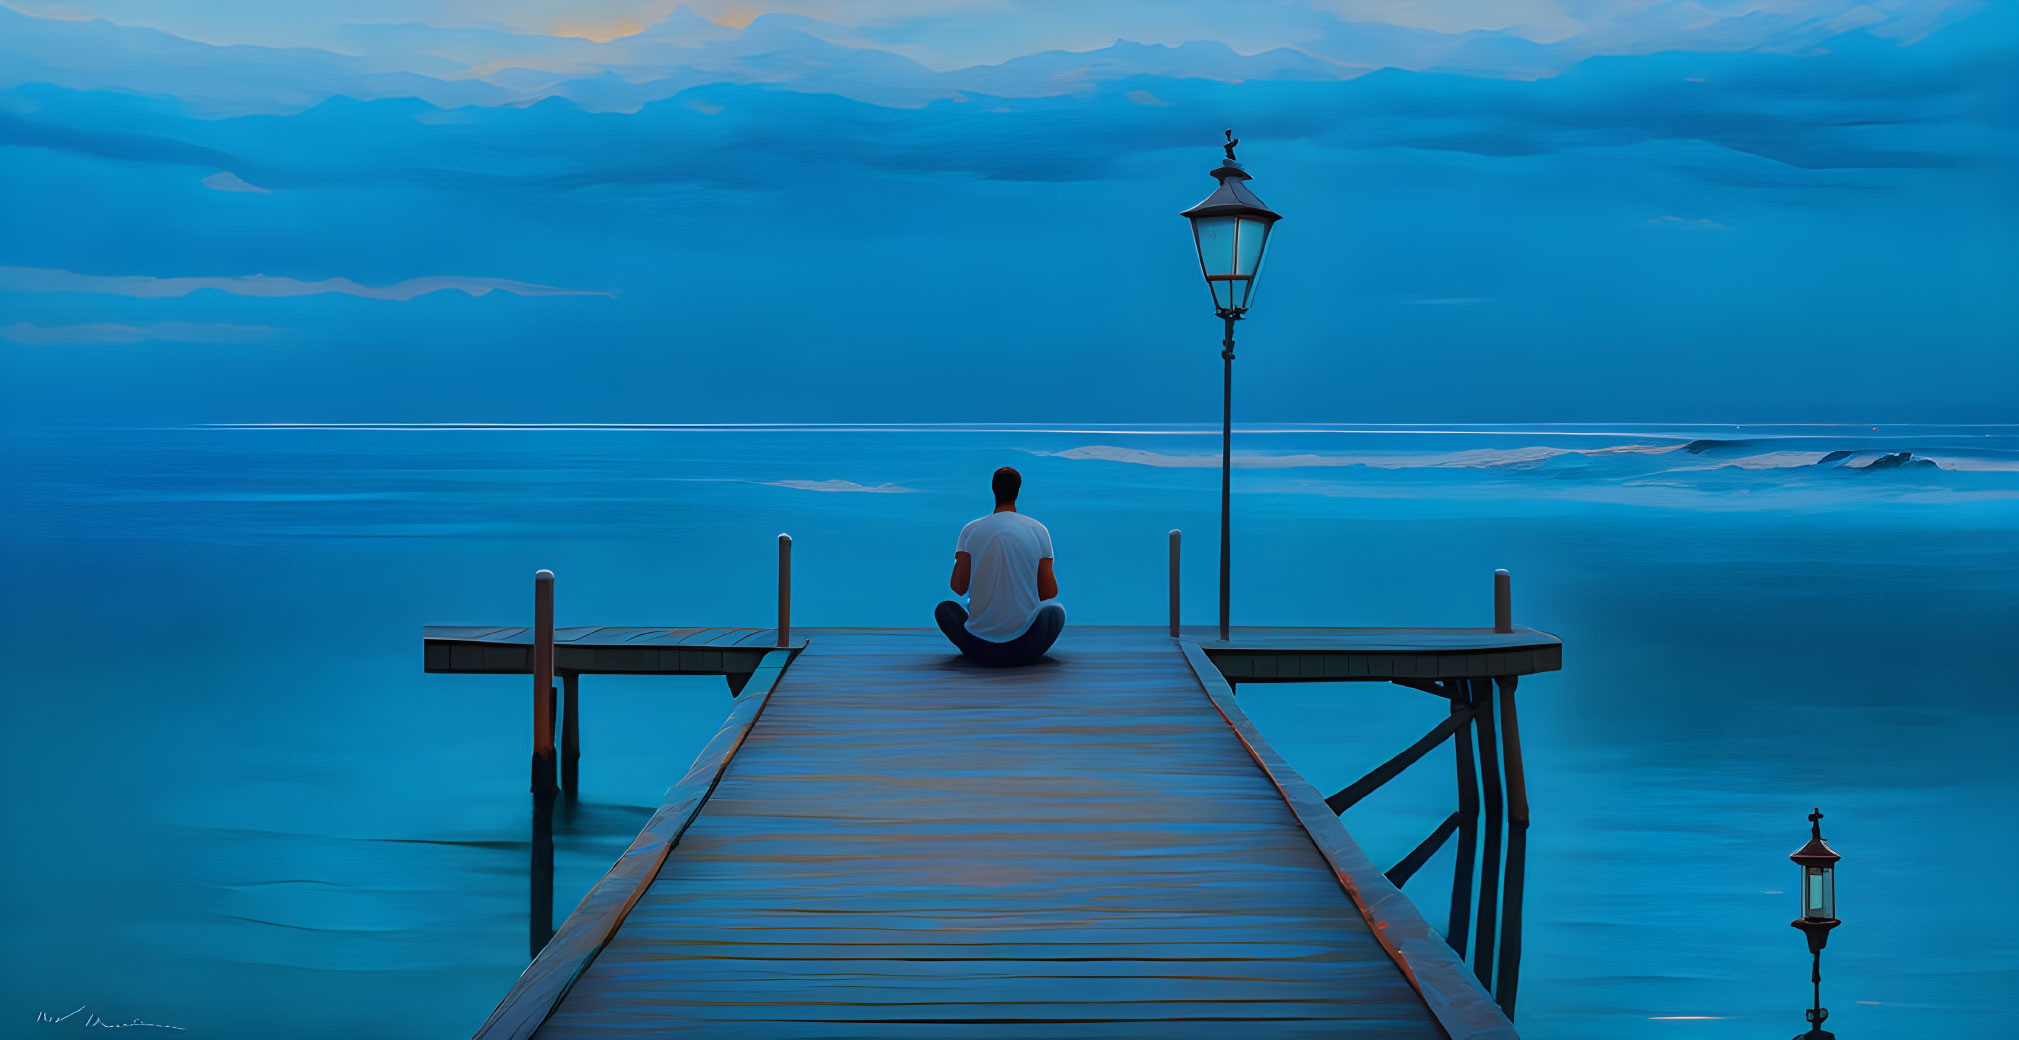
<point x="1819" y="893"/>
<point x="1249" y="237"/>
<point x="1255" y="272"/>
<point x="1230" y="254"/>
<point x="1215" y="237"/>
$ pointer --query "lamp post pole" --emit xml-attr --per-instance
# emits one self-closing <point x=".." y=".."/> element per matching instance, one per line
<point x="1227" y="474"/>
<point x="1230" y="228"/>
<point x="1816" y="1013"/>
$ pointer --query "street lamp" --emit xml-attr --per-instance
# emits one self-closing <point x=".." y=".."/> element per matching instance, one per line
<point x="1819" y="914"/>
<point x="1230" y="229"/>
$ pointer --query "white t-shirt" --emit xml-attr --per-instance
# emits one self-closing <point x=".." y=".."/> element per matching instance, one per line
<point x="1002" y="591"/>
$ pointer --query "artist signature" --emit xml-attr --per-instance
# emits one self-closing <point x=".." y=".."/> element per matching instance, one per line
<point x="92" y="1021"/>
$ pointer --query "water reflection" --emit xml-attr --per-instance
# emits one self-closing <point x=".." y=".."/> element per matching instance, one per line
<point x="540" y="915"/>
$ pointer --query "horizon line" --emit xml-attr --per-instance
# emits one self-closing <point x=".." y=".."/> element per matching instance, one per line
<point x="1168" y="428"/>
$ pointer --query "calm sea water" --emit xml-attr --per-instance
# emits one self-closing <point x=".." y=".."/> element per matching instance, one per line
<point x="238" y="806"/>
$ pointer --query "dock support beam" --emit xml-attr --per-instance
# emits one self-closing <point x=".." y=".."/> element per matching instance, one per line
<point x="1406" y="868"/>
<point x="543" y="683"/>
<point x="571" y="731"/>
<point x="1389" y="770"/>
<point x="1509" y="976"/>
<point x="784" y="589"/>
<point x="1459" y="927"/>
<point x="1174" y="584"/>
<point x="1489" y="858"/>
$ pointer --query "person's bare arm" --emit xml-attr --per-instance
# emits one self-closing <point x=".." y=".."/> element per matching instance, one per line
<point x="963" y="566"/>
<point x="1048" y="586"/>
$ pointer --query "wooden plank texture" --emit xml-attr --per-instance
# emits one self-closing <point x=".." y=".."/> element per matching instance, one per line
<point x="907" y="845"/>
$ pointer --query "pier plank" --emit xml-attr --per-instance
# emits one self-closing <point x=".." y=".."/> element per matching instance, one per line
<point x="906" y="844"/>
<point x="889" y="841"/>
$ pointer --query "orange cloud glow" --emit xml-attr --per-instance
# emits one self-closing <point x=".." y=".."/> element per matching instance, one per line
<point x="603" y="33"/>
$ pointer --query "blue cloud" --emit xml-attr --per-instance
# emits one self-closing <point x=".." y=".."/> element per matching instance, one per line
<point x="815" y="232"/>
<point x="1869" y="103"/>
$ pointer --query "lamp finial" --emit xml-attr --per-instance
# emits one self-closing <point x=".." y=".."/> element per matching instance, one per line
<point x="1816" y="824"/>
<point x="1229" y="146"/>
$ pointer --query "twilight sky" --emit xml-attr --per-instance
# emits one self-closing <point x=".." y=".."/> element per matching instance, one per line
<point x="943" y="210"/>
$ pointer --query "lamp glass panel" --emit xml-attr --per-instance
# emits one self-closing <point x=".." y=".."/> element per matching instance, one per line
<point x="1249" y="238"/>
<point x="1812" y="893"/>
<point x="1223" y="293"/>
<point x="1215" y="237"/>
<point x="1829" y="892"/>
<point x="1252" y="280"/>
<point x="1240" y="289"/>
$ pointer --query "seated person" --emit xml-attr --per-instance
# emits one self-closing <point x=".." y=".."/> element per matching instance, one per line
<point x="1003" y="564"/>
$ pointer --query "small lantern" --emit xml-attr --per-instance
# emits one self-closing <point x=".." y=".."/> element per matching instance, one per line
<point x="1230" y="228"/>
<point x="1819" y="915"/>
<point x="1819" y="885"/>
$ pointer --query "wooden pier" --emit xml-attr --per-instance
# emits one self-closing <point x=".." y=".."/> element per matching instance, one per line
<point x="885" y="840"/>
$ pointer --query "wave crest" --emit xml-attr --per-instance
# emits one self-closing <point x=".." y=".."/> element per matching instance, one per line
<point x="1533" y="457"/>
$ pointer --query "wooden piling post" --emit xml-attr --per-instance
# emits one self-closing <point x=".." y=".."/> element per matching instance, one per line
<point x="1468" y="820"/>
<point x="571" y="731"/>
<point x="1489" y="857"/>
<point x="543" y="682"/>
<point x="784" y="589"/>
<point x="1509" y="975"/>
<point x="1175" y="536"/>
<point x="1503" y="601"/>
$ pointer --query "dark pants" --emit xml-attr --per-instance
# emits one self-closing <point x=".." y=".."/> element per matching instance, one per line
<point x="1044" y="630"/>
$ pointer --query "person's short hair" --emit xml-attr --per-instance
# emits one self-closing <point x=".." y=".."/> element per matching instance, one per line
<point x="1006" y="482"/>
